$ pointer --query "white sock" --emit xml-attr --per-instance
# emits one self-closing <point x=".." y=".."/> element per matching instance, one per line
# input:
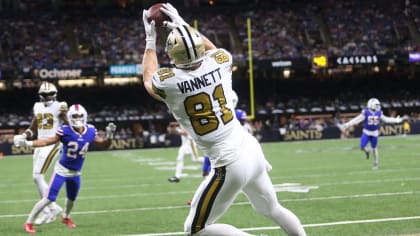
<point x="376" y="156"/>
<point x="221" y="229"/>
<point x="39" y="206"/>
<point x="68" y="207"/>
<point x="179" y="167"/>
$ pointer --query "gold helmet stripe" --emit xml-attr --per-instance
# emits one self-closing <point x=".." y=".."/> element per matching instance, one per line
<point x="192" y="41"/>
<point x="188" y="43"/>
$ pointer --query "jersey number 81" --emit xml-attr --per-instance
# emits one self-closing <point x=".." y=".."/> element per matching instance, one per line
<point x="199" y="108"/>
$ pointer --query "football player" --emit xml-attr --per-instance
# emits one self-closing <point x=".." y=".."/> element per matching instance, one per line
<point x="241" y="115"/>
<point x="76" y="139"/>
<point x="198" y="92"/>
<point x="48" y="115"/>
<point x="371" y="117"/>
<point x="188" y="147"/>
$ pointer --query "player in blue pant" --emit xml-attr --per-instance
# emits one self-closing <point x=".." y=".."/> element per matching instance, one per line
<point x="76" y="139"/>
<point x="371" y="117"/>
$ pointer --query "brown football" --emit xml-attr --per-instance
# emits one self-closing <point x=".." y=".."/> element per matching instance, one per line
<point x="156" y="15"/>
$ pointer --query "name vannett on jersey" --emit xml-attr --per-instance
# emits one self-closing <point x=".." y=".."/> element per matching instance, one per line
<point x="200" y="81"/>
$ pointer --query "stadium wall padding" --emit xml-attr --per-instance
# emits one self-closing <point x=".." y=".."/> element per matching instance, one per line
<point x="162" y="140"/>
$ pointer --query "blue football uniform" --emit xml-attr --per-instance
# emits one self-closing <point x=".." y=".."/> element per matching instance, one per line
<point x="370" y="128"/>
<point x="67" y="169"/>
<point x="241" y="115"/>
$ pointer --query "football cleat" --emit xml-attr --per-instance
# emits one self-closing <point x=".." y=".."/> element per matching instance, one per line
<point x="174" y="179"/>
<point x="68" y="222"/>
<point x="29" y="228"/>
<point x="375" y="166"/>
<point x="42" y="217"/>
<point x="53" y="214"/>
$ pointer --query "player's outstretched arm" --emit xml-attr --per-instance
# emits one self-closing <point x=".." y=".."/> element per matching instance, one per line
<point x="37" y="143"/>
<point x="177" y="20"/>
<point x="388" y="119"/>
<point x="150" y="61"/>
<point x="110" y="132"/>
<point x="356" y="120"/>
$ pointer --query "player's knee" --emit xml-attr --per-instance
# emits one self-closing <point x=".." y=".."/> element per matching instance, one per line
<point x="268" y="211"/>
<point x="265" y="211"/>
<point x="38" y="178"/>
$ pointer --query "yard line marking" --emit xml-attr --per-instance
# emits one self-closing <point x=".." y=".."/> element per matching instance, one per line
<point x="238" y="203"/>
<point x="234" y="204"/>
<point x="103" y="180"/>
<point x="305" y="225"/>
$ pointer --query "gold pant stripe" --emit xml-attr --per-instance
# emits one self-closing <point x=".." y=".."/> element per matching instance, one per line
<point x="207" y="199"/>
<point x="50" y="158"/>
<point x="193" y="149"/>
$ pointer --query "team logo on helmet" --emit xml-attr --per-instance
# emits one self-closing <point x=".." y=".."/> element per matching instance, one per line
<point x="47" y="93"/>
<point x="374" y="104"/>
<point x="185" y="47"/>
<point x="77" y="116"/>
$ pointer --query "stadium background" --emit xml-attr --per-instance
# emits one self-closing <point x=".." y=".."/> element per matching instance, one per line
<point x="314" y="63"/>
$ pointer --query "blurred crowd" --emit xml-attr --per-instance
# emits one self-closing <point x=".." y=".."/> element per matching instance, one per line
<point x="281" y="29"/>
<point x="37" y="38"/>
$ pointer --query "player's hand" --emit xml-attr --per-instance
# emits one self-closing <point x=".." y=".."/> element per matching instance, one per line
<point x="150" y="30"/>
<point x="176" y="19"/>
<point x="342" y="127"/>
<point x="20" y="141"/>
<point x="110" y="130"/>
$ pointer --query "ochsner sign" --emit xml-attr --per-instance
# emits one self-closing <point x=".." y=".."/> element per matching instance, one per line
<point x="59" y="73"/>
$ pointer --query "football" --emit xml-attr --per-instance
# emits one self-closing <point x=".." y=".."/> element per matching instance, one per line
<point x="156" y="15"/>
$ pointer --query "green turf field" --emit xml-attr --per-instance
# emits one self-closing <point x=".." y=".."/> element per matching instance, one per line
<point x="328" y="184"/>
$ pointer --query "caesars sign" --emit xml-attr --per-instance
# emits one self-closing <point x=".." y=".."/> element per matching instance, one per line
<point x="57" y="73"/>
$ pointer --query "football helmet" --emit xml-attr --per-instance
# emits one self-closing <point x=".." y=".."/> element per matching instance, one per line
<point x="77" y="116"/>
<point x="185" y="47"/>
<point x="47" y="93"/>
<point x="373" y="104"/>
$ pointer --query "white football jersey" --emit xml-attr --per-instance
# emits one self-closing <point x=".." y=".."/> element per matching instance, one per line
<point x="201" y="101"/>
<point x="47" y="117"/>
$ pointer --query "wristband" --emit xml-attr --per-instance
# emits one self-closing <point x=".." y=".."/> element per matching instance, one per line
<point x="151" y="44"/>
<point x="29" y="143"/>
<point x="30" y="133"/>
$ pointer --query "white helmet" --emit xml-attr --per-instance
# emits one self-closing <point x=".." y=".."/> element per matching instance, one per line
<point x="77" y="116"/>
<point x="47" y="93"/>
<point x="185" y="47"/>
<point x="373" y="104"/>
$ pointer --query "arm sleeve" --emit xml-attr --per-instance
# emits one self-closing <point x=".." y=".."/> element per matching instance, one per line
<point x="355" y="120"/>
<point x="388" y="119"/>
